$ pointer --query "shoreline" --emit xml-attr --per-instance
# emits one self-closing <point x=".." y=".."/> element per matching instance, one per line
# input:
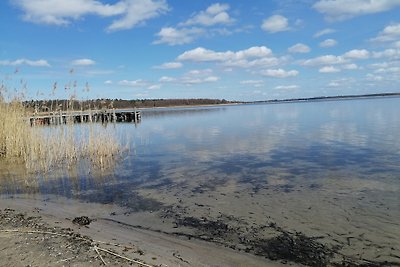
<point x="154" y="248"/>
<point x="271" y="101"/>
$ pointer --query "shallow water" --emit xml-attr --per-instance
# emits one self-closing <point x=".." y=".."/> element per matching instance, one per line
<point x="325" y="169"/>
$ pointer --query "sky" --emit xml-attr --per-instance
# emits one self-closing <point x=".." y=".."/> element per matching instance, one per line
<point x="234" y="50"/>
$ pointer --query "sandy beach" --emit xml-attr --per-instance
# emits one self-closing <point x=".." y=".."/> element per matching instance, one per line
<point x="21" y="246"/>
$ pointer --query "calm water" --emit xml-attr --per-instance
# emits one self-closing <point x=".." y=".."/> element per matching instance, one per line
<point x="300" y="142"/>
<point x="329" y="169"/>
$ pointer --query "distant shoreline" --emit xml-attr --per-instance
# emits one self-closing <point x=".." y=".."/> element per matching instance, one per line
<point x="326" y="98"/>
<point x="144" y="104"/>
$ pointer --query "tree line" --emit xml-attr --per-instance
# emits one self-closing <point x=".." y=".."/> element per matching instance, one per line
<point x="65" y="104"/>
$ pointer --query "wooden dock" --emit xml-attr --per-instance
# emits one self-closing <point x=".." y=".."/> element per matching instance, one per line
<point x="103" y="116"/>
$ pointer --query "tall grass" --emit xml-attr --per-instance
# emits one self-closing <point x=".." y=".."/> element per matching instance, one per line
<point x="43" y="148"/>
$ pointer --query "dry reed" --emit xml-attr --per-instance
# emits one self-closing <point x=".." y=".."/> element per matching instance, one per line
<point x="44" y="148"/>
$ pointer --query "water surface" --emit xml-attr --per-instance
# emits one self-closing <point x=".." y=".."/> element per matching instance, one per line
<point x="326" y="169"/>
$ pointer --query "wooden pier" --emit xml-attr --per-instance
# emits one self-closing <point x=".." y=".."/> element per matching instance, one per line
<point x="103" y="116"/>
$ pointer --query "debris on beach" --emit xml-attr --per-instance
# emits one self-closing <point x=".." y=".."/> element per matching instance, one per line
<point x="82" y="220"/>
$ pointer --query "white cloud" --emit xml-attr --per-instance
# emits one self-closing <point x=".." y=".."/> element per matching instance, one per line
<point x="134" y="83"/>
<point x="329" y="69"/>
<point x="170" y="65"/>
<point x="261" y="62"/>
<point x="167" y="79"/>
<point x="201" y="54"/>
<point x="391" y="54"/>
<point x="287" y="87"/>
<point x="397" y="44"/>
<point x="334" y="84"/>
<point x="255" y="83"/>
<point x="108" y="82"/>
<point x="357" y="54"/>
<point x="154" y="87"/>
<point x="23" y="61"/>
<point x="374" y="78"/>
<point x="203" y="72"/>
<point x="188" y="80"/>
<point x="340" y="82"/>
<point x="328" y="43"/>
<point x="192" y="77"/>
<point x="390" y="33"/>
<point x="200" y="24"/>
<point x="138" y="12"/>
<point x="83" y="62"/>
<point x="379" y="65"/>
<point x="211" y="79"/>
<point x="256" y="56"/>
<point x="60" y="12"/>
<point x="351" y="66"/>
<point x="335" y="10"/>
<point x="323" y="32"/>
<point x="299" y="48"/>
<point x="279" y="73"/>
<point x="213" y="15"/>
<point x="177" y="36"/>
<point x="275" y="23"/>
<point x="324" y="60"/>
<point x="388" y="70"/>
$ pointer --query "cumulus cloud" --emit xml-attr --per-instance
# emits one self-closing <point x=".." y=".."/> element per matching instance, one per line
<point x="287" y="87"/>
<point x="61" y="13"/>
<point x="328" y="43"/>
<point x="23" y="61"/>
<point x="198" y="77"/>
<point x="213" y="15"/>
<point x="391" y="54"/>
<point x="108" y="82"/>
<point x="154" y="87"/>
<point x="390" y="33"/>
<point x="351" y="66"/>
<point x="255" y="83"/>
<point x="374" y="78"/>
<point x="174" y="36"/>
<point x="200" y="24"/>
<point x="336" y="10"/>
<point x="167" y="79"/>
<point x="137" y="12"/>
<point x="323" y="32"/>
<point x="169" y="65"/>
<point x="329" y="69"/>
<point x="279" y="73"/>
<point x="357" y="54"/>
<point x="177" y="36"/>
<point x="256" y="56"/>
<point x="275" y="23"/>
<point x="299" y="48"/>
<point x="324" y="60"/>
<point x="192" y="77"/>
<point x="133" y="83"/>
<point x="201" y="54"/>
<point x="83" y="62"/>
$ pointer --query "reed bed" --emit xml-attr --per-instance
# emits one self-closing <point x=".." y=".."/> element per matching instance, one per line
<point x="63" y="146"/>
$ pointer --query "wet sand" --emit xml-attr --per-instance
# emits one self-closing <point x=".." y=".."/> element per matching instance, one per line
<point x="152" y="247"/>
<point x="335" y="222"/>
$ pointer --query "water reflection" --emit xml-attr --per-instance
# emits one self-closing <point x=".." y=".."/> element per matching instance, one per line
<point x="278" y="144"/>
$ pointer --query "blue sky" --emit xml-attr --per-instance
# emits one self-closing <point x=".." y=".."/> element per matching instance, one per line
<point x="236" y="50"/>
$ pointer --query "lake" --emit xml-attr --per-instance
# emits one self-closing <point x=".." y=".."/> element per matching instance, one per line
<point x="314" y="183"/>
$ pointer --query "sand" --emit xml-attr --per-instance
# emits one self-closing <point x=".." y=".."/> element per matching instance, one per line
<point x="151" y="247"/>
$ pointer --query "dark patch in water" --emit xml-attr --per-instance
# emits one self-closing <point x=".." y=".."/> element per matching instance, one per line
<point x="296" y="248"/>
<point x="125" y="198"/>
